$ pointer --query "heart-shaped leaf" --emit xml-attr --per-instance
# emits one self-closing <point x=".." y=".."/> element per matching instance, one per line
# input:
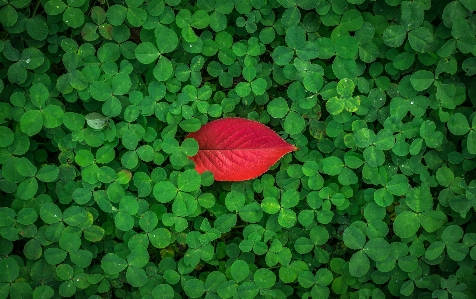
<point x="237" y="149"/>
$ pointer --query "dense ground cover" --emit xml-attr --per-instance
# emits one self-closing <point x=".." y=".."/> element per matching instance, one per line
<point x="98" y="196"/>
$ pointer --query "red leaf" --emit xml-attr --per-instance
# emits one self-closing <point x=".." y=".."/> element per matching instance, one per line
<point x="237" y="149"/>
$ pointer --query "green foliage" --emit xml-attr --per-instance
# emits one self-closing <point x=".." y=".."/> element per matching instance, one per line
<point x="98" y="198"/>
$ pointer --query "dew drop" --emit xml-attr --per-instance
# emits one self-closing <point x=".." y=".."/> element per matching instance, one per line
<point x="28" y="60"/>
<point x="412" y="102"/>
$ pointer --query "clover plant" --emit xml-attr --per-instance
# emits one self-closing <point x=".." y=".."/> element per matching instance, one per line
<point x="99" y="197"/>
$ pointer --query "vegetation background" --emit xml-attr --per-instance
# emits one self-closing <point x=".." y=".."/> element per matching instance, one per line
<point x="98" y="198"/>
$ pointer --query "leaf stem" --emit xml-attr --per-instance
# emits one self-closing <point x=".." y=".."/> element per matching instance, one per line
<point x="36" y="8"/>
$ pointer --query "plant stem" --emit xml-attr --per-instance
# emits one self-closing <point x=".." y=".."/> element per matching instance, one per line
<point x="36" y="8"/>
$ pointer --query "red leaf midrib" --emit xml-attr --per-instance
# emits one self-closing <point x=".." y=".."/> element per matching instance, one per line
<point x="248" y="149"/>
